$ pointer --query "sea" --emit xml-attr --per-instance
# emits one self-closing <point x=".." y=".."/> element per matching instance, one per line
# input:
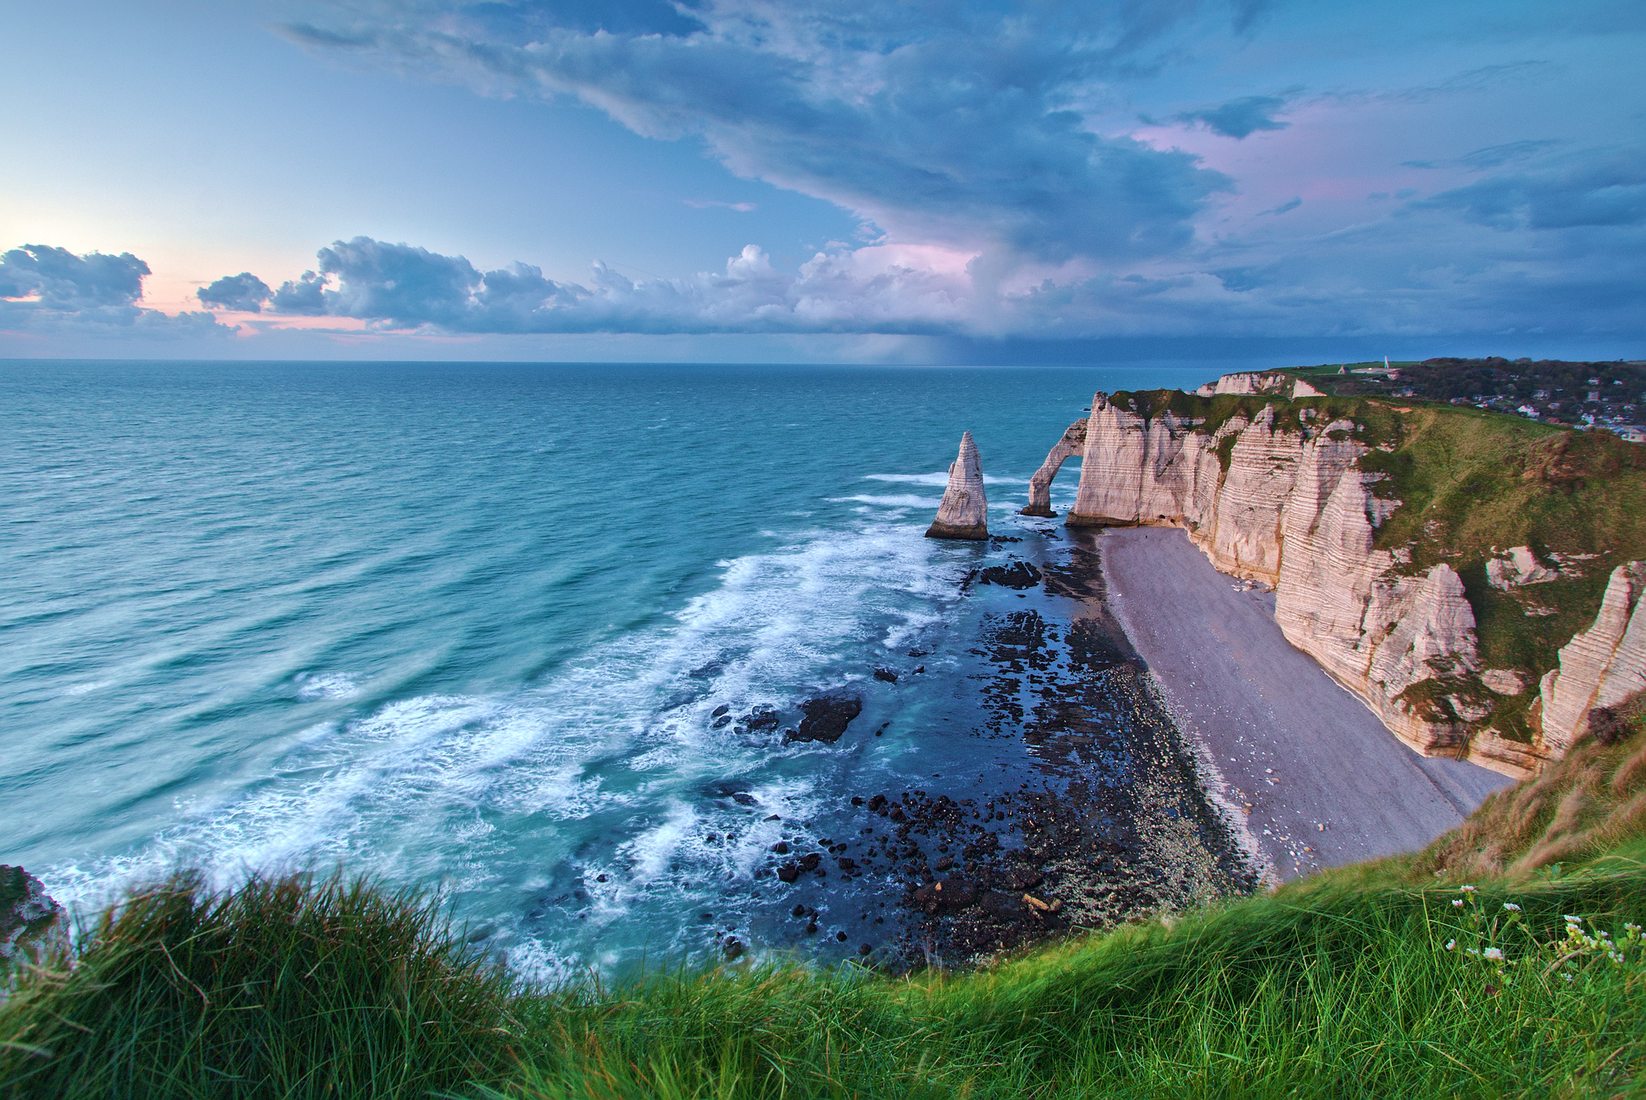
<point x="469" y="628"/>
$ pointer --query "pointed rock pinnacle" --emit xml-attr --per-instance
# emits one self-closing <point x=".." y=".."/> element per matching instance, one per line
<point x="964" y="513"/>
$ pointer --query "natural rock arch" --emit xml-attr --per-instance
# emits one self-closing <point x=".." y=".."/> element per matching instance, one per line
<point x="1040" y="485"/>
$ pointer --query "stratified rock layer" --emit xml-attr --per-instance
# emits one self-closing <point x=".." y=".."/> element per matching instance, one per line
<point x="1602" y="666"/>
<point x="964" y="512"/>
<point x="1292" y="508"/>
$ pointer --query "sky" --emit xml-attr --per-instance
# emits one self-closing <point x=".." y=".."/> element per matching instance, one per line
<point x="910" y="181"/>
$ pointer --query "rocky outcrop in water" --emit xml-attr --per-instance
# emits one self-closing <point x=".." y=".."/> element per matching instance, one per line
<point x="825" y="717"/>
<point x="1289" y="506"/>
<point x="31" y="923"/>
<point x="964" y="511"/>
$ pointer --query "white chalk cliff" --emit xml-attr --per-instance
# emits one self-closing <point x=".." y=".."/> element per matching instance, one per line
<point x="1289" y="506"/>
<point x="1603" y="665"/>
<point x="1260" y="382"/>
<point x="964" y="511"/>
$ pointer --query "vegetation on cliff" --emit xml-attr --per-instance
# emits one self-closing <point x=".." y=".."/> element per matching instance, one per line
<point x="1418" y="975"/>
<point x="1471" y="485"/>
<point x="1591" y="806"/>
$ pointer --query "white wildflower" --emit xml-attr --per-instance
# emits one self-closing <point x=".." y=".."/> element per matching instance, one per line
<point x="1466" y="889"/>
<point x="1572" y="920"/>
<point x="1451" y="945"/>
<point x="1495" y="954"/>
<point x="1511" y="907"/>
<point x="1457" y="903"/>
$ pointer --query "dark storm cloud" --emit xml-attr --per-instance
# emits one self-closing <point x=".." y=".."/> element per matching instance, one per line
<point x="1608" y="192"/>
<point x="937" y="123"/>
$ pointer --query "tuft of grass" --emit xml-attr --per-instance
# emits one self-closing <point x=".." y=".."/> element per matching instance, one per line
<point x="290" y="986"/>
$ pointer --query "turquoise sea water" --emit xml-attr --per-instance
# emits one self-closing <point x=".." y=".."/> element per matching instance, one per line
<point x="465" y="626"/>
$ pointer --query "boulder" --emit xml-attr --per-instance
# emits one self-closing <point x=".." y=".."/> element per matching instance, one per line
<point x="826" y="716"/>
<point x="1019" y="575"/>
<point x="1518" y="566"/>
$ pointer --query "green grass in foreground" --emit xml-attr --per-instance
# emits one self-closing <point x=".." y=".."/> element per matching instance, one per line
<point x="301" y="988"/>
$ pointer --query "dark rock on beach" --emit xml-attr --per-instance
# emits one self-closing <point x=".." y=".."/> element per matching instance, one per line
<point x="1018" y="574"/>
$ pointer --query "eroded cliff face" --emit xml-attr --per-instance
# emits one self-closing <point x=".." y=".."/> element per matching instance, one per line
<point x="1291" y="507"/>
<point x="1602" y="666"/>
<point x="1260" y="382"/>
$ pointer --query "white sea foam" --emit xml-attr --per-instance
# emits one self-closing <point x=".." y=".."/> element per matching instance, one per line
<point x="900" y="501"/>
<point x="604" y="765"/>
<point x="650" y="852"/>
<point x="325" y="685"/>
<point x="940" y="479"/>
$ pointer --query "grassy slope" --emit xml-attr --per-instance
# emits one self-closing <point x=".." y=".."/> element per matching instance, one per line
<point x="1471" y="483"/>
<point x="1592" y="806"/>
<point x="1342" y="985"/>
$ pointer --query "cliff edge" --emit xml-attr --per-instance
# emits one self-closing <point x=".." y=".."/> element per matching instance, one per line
<point x="1378" y="527"/>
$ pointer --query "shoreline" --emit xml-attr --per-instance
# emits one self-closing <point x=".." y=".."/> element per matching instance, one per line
<point x="1309" y="775"/>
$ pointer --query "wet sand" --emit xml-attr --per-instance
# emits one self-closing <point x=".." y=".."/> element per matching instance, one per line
<point x="1313" y="774"/>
